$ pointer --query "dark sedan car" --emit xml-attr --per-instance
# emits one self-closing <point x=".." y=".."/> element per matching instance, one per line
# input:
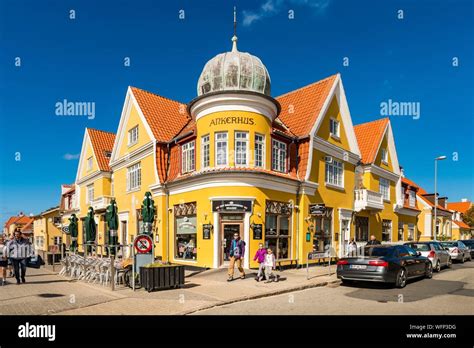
<point x="470" y="244"/>
<point x="385" y="263"/>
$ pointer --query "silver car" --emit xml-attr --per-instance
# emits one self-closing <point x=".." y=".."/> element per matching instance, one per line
<point x="457" y="250"/>
<point x="434" y="251"/>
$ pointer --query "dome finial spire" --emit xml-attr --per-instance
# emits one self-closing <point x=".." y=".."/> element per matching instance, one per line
<point x="234" y="38"/>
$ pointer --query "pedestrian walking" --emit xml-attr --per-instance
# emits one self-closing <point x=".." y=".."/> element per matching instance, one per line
<point x="270" y="265"/>
<point x="260" y="258"/>
<point x="373" y="241"/>
<point x="3" y="261"/>
<point x="18" y="251"/>
<point x="236" y="254"/>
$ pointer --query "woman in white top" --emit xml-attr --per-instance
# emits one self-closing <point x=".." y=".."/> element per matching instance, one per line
<point x="3" y="261"/>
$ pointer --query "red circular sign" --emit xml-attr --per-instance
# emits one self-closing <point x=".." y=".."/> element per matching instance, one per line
<point x="143" y="244"/>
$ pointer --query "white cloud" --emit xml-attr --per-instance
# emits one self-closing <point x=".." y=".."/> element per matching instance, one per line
<point x="69" y="157"/>
<point x="273" y="7"/>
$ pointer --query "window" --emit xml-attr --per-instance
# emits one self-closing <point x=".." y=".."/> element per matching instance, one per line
<point x="89" y="163"/>
<point x="133" y="136"/>
<point x="335" y="173"/>
<point x="241" y="146"/>
<point x="187" y="157"/>
<point x="205" y="151"/>
<point x="384" y="156"/>
<point x="90" y="193"/>
<point x="107" y="154"/>
<point x="221" y="148"/>
<point x="134" y="177"/>
<point x="400" y="231"/>
<point x="39" y="242"/>
<point x="278" y="156"/>
<point x="259" y="150"/>
<point x="384" y="188"/>
<point x="277" y="235"/>
<point x="322" y="231"/>
<point x="362" y="228"/>
<point x="386" y="230"/>
<point x="412" y="198"/>
<point x="186" y="231"/>
<point x="411" y="231"/>
<point x="334" y="127"/>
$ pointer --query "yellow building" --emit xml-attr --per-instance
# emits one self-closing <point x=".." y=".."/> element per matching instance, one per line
<point x="460" y="230"/>
<point x="93" y="186"/>
<point x="46" y="232"/>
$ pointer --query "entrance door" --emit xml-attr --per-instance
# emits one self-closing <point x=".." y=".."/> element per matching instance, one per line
<point x="228" y="230"/>
<point x="344" y="238"/>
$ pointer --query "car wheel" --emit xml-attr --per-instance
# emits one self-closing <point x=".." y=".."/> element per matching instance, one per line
<point x="438" y="266"/>
<point x="450" y="262"/>
<point x="401" y="280"/>
<point x="429" y="270"/>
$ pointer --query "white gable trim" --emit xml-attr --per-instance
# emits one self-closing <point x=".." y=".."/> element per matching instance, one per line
<point x="82" y="161"/>
<point x="130" y="101"/>
<point x="337" y="90"/>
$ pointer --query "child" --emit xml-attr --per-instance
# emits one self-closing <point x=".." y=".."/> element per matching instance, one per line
<point x="260" y="258"/>
<point x="269" y="265"/>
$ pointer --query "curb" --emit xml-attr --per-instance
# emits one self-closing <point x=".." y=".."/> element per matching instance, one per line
<point x="263" y="295"/>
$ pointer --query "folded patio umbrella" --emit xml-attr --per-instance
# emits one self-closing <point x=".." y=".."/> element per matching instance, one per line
<point x="148" y="213"/>
<point x="73" y="230"/>
<point x="111" y="217"/>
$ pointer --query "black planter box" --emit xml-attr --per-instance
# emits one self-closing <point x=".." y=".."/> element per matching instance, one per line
<point x="161" y="278"/>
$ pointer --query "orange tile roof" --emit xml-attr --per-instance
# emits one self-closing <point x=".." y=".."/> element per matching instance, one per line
<point x="10" y="220"/>
<point x="369" y="135"/>
<point x="28" y="225"/>
<point x="462" y="224"/>
<point x="410" y="183"/>
<point x="166" y="117"/>
<point x="300" y="108"/>
<point x="102" y="142"/>
<point x="461" y="207"/>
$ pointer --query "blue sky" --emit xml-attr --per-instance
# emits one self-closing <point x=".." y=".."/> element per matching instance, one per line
<point x="405" y="60"/>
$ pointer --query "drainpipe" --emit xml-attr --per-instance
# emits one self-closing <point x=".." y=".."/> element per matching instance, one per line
<point x="167" y="195"/>
<point x="297" y="203"/>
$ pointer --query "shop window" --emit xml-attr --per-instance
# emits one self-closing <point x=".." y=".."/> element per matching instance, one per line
<point x="186" y="231"/>
<point x="322" y="237"/>
<point x="400" y="231"/>
<point x="386" y="230"/>
<point x="133" y="136"/>
<point x="335" y="173"/>
<point x="362" y="229"/>
<point x="205" y="147"/>
<point x="90" y="193"/>
<point x="279" y="156"/>
<point x="134" y="177"/>
<point x="187" y="157"/>
<point x="277" y="228"/>
<point x="384" y="188"/>
<point x="241" y="147"/>
<point x="221" y="148"/>
<point x="334" y="127"/>
<point x="259" y="150"/>
<point x="411" y="232"/>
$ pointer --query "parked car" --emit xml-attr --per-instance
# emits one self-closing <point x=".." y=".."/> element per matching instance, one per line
<point x="458" y="250"/>
<point x="437" y="254"/>
<point x="470" y="244"/>
<point x="385" y="263"/>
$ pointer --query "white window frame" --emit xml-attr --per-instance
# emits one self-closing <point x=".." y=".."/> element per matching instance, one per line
<point x="279" y="156"/>
<point x="412" y="198"/>
<point x="134" y="177"/>
<point x="334" y="127"/>
<point x="90" y="193"/>
<point x="390" y="231"/>
<point x="332" y="170"/>
<point x="89" y="163"/>
<point x="218" y="140"/>
<point x="205" y="151"/>
<point x="384" y="155"/>
<point x="411" y="232"/>
<point x="259" y="147"/>
<point x="133" y="136"/>
<point x="385" y="194"/>
<point x="241" y="140"/>
<point x="187" y="157"/>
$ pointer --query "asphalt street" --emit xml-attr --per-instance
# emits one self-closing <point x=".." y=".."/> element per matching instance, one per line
<point x="449" y="292"/>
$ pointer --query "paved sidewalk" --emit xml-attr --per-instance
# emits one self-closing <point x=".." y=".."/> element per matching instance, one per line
<point x="48" y="293"/>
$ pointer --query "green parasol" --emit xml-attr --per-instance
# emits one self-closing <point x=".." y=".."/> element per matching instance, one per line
<point x="111" y="217"/>
<point x="91" y="229"/>
<point x="73" y="230"/>
<point x="148" y="213"/>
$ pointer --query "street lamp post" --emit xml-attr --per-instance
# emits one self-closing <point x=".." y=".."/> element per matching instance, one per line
<point x="440" y="158"/>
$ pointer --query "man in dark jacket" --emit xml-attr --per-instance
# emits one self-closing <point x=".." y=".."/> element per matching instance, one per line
<point x="373" y="241"/>
<point x="19" y="249"/>
<point x="236" y="253"/>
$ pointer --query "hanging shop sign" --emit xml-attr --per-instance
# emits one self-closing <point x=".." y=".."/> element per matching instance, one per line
<point x="317" y="209"/>
<point x="65" y="229"/>
<point x="232" y="206"/>
<point x="206" y="231"/>
<point x="143" y="244"/>
<point x="257" y="231"/>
